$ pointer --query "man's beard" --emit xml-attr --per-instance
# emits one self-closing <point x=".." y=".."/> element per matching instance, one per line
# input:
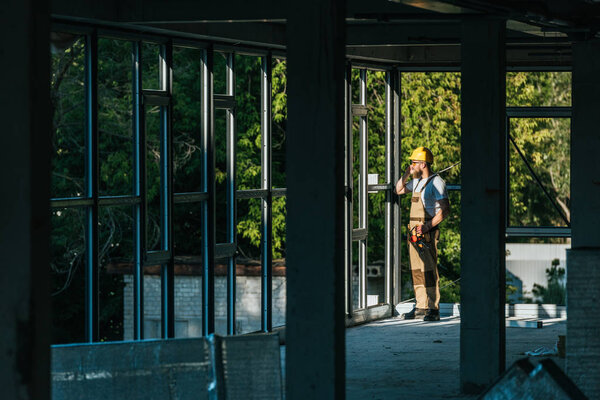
<point x="417" y="174"/>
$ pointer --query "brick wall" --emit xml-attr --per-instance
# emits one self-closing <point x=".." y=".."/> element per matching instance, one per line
<point x="188" y="305"/>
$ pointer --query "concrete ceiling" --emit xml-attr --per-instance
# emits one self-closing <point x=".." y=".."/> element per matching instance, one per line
<point x="579" y="18"/>
<point x="416" y="32"/>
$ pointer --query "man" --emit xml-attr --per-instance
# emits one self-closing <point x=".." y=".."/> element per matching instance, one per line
<point x="429" y="207"/>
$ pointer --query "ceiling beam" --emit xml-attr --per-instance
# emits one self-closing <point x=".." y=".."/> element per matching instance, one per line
<point x="273" y="35"/>
<point x="433" y="32"/>
<point x="430" y="56"/>
<point x="263" y="34"/>
<point x="161" y="11"/>
<point x="403" y="34"/>
<point x="575" y="17"/>
<point x="450" y="55"/>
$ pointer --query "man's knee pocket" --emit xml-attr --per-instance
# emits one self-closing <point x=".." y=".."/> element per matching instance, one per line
<point x="430" y="278"/>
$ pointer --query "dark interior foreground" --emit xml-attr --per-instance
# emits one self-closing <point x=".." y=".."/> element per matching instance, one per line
<point x="481" y="39"/>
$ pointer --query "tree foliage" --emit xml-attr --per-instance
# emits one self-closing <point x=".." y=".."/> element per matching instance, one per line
<point x="430" y="109"/>
<point x="116" y="166"/>
<point x="545" y="144"/>
<point x="555" y="291"/>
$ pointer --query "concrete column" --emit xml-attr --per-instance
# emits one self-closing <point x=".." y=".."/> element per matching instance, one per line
<point x="315" y="359"/>
<point x="483" y="116"/>
<point x="24" y="213"/>
<point x="583" y="271"/>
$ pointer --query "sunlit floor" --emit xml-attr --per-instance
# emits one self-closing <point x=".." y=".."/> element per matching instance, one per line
<point x="396" y="359"/>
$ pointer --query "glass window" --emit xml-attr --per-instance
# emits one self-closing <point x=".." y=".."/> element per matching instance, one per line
<point x="220" y="68"/>
<point x="355" y="85"/>
<point x="187" y="145"/>
<point x="431" y="117"/>
<point x="545" y="145"/>
<point x="116" y="247"/>
<point x="248" y="121"/>
<point x="221" y="173"/>
<point x="279" y="261"/>
<point x="279" y="121"/>
<point x="536" y="271"/>
<point x="67" y="274"/>
<point x="355" y="279"/>
<point x="151" y="66"/>
<point x="538" y="89"/>
<point x="376" y="249"/>
<point x="116" y="227"/>
<point x="115" y="125"/>
<point x="248" y="279"/>
<point x="430" y="109"/>
<point x="449" y="252"/>
<point x="154" y="182"/>
<point x="152" y="302"/>
<point x="356" y="181"/>
<point x="67" y="95"/>
<point x="376" y="123"/>
<point x="187" y="248"/>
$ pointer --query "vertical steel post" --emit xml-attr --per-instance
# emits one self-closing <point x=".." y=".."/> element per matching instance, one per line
<point x="389" y="178"/>
<point x="91" y="175"/>
<point x="507" y="201"/>
<point x="483" y="115"/>
<point x="139" y="185"/>
<point x="208" y="186"/>
<point x="26" y="149"/>
<point x="231" y="196"/>
<point x="397" y="171"/>
<point x="267" y="212"/>
<point x="315" y="329"/>
<point x="167" y="270"/>
<point x="348" y="185"/>
<point x="363" y="195"/>
<point x="583" y="275"/>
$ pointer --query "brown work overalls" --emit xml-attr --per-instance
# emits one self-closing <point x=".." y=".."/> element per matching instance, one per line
<point x="423" y="266"/>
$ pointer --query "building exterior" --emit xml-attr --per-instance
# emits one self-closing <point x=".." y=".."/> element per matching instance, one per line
<point x="526" y="265"/>
<point x="481" y="39"/>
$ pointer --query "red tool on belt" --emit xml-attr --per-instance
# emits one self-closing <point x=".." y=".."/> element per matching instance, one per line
<point x="417" y="239"/>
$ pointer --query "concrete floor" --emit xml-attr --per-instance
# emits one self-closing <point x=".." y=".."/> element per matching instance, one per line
<point x="396" y="359"/>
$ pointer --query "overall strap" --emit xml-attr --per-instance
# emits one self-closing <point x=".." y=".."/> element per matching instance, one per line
<point x="416" y="196"/>
<point x="427" y="182"/>
<point x="427" y="217"/>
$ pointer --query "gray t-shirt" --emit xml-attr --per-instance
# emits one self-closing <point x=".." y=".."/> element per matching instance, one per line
<point x="434" y="192"/>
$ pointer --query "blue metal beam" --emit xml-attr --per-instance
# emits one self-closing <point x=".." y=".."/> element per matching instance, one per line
<point x="266" y="202"/>
<point x="140" y="191"/>
<point x="231" y="194"/>
<point x="91" y="178"/>
<point x="208" y="186"/>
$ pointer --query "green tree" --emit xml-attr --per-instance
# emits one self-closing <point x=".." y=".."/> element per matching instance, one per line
<point x="430" y="107"/>
<point x="545" y="143"/>
<point x="116" y="152"/>
<point x="554" y="292"/>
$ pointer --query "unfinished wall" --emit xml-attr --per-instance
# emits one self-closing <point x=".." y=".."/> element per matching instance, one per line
<point x="188" y="305"/>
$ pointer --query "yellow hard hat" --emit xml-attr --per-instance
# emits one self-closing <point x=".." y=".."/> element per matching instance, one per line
<point x="422" y="154"/>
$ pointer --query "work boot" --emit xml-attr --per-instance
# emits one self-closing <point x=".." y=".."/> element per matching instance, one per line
<point x="432" y="315"/>
<point x="414" y="313"/>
